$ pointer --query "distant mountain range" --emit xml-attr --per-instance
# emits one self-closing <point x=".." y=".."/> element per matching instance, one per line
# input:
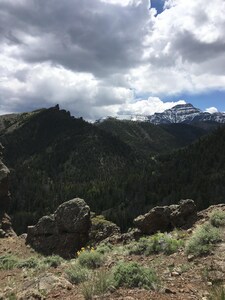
<point x="182" y="113"/>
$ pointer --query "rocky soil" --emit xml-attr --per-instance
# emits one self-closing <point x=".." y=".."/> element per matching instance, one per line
<point x="181" y="276"/>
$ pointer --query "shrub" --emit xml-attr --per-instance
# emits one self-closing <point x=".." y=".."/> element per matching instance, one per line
<point x="203" y="239"/>
<point x="104" y="248"/>
<point x="29" y="263"/>
<point x="134" y="275"/>
<point x="90" y="259"/>
<point x="160" y="242"/>
<point x="217" y="218"/>
<point x="8" y="262"/>
<point x="53" y="261"/>
<point x="77" y="274"/>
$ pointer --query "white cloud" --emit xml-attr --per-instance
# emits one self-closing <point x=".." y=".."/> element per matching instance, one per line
<point x="185" y="48"/>
<point x="147" y="107"/>
<point x="122" y="2"/>
<point x="211" y="110"/>
<point x="88" y="56"/>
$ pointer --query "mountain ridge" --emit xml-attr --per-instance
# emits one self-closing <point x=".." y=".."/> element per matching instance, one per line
<point x="181" y="113"/>
<point x="186" y="113"/>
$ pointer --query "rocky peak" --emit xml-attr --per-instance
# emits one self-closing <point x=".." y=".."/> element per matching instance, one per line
<point x="185" y="113"/>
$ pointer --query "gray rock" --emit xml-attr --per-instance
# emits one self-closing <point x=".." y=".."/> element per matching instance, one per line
<point x="64" y="232"/>
<point x="102" y="229"/>
<point x="4" y="188"/>
<point x="73" y="216"/>
<point x="184" y="214"/>
<point x="45" y="226"/>
<point x="157" y="219"/>
<point x="166" y="218"/>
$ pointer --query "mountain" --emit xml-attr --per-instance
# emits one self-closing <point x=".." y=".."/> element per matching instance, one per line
<point x="54" y="157"/>
<point x="121" y="168"/>
<point x="185" y="113"/>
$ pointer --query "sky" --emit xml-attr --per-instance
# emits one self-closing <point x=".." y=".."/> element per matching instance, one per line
<point x="111" y="57"/>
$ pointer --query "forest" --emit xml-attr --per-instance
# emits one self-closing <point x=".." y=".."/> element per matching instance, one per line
<point x="120" y="168"/>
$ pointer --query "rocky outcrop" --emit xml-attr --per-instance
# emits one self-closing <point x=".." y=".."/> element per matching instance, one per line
<point x="63" y="232"/>
<point x="5" y="221"/>
<point x="4" y="188"/>
<point x="102" y="229"/>
<point x="166" y="218"/>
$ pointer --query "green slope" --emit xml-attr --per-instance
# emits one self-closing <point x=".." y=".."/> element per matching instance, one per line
<point x="119" y="168"/>
<point x="146" y="138"/>
<point x="54" y="157"/>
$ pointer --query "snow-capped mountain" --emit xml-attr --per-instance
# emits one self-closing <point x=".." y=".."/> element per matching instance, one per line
<point x="181" y="113"/>
<point x="185" y="113"/>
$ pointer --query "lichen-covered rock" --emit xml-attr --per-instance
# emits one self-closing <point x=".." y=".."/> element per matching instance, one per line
<point x="166" y="218"/>
<point x="184" y="214"/>
<point x="64" y="232"/>
<point x="102" y="229"/>
<point x="157" y="219"/>
<point x="73" y="216"/>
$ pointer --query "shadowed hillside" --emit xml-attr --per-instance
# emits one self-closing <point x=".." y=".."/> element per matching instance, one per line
<point x="121" y="171"/>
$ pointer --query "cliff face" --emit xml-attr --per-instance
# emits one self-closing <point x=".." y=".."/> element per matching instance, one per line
<point x="5" y="221"/>
<point x="4" y="188"/>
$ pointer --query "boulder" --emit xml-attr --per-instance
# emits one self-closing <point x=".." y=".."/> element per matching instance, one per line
<point x="157" y="219"/>
<point x="166" y="218"/>
<point x="6" y="229"/>
<point x="102" y="229"/>
<point x="63" y="232"/>
<point x="5" y="221"/>
<point x="73" y="216"/>
<point x="4" y="188"/>
<point x="184" y="214"/>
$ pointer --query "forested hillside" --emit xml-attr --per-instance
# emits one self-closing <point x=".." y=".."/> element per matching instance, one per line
<point x="146" y="138"/>
<point x="54" y="157"/>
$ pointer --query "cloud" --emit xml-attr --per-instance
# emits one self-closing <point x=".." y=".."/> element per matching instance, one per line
<point x="211" y="110"/>
<point x="83" y="36"/>
<point x="147" y="107"/>
<point x="89" y="56"/>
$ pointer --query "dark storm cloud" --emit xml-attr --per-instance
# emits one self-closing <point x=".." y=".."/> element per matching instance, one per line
<point x="85" y="36"/>
<point x="192" y="49"/>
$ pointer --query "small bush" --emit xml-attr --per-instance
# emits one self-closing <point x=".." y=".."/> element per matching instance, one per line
<point x="90" y="259"/>
<point x="29" y="263"/>
<point x="133" y="275"/>
<point x="160" y="242"/>
<point x="77" y="274"/>
<point x="203" y="239"/>
<point x="8" y="262"/>
<point x="53" y="261"/>
<point x="217" y="218"/>
<point x="104" y="248"/>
